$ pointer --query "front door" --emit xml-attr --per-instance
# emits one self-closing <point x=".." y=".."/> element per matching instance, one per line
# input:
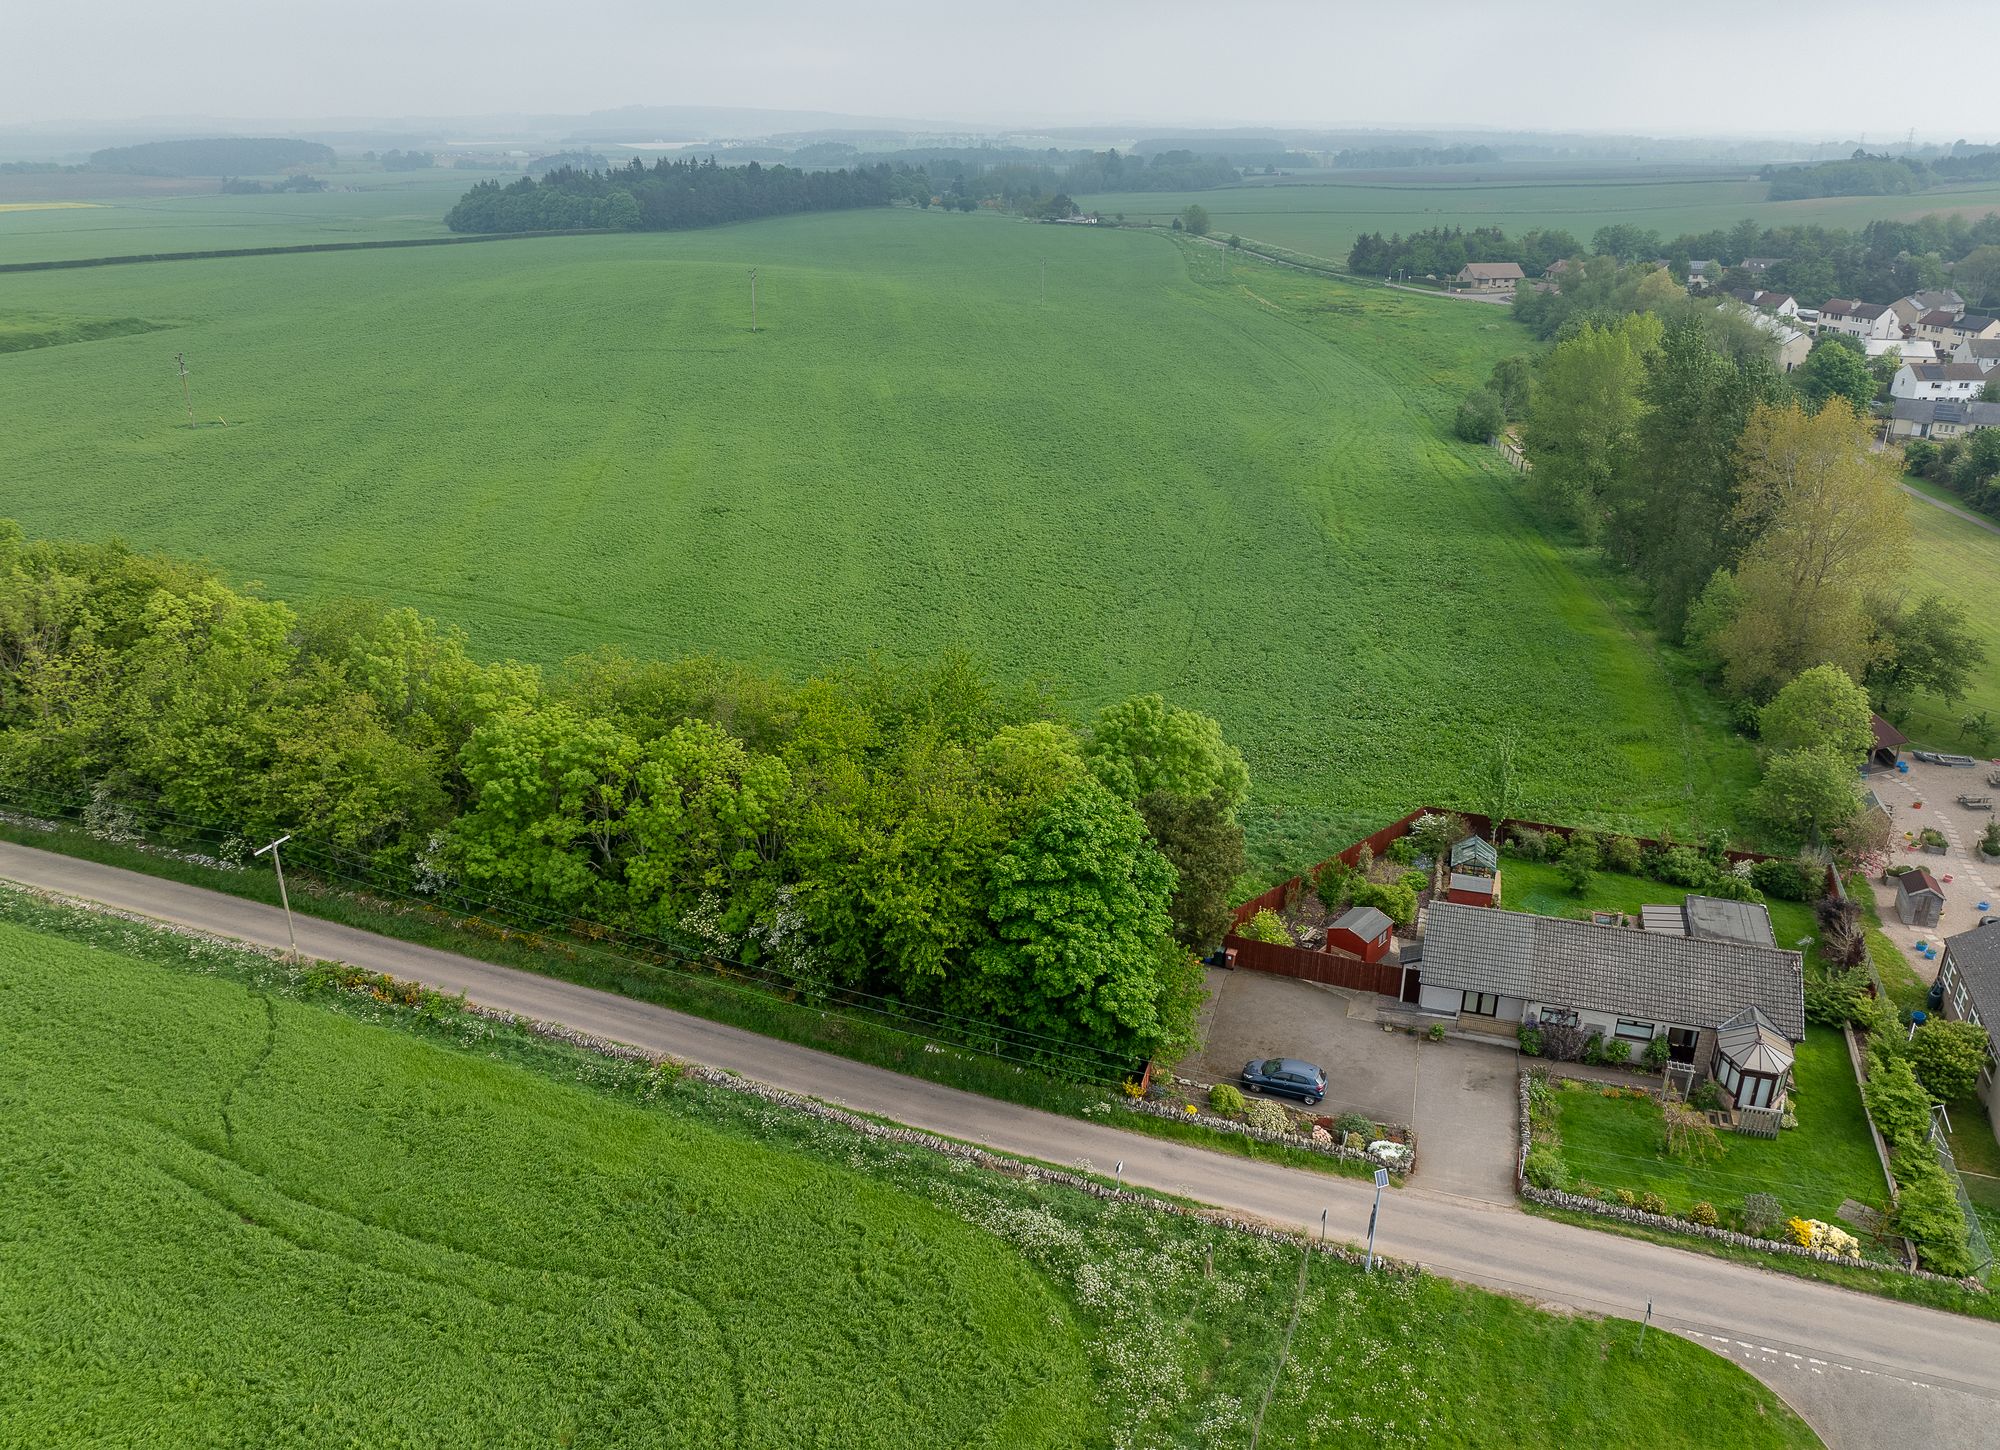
<point x="1413" y="985"/>
<point x="1681" y="1043"/>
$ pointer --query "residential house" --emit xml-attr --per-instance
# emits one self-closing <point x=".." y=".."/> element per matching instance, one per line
<point x="1496" y="969"/>
<point x="1919" y="898"/>
<point x="1948" y="335"/>
<point x="1982" y="352"/>
<point x="1907" y="312"/>
<point x="1969" y="978"/>
<point x="1939" y="300"/>
<point x="1778" y="304"/>
<point x="1905" y="349"/>
<point x="1365" y="931"/>
<point x="1758" y="266"/>
<point x="1859" y="319"/>
<point x="1490" y="276"/>
<point x="1938" y="382"/>
<point x="1793" y="343"/>
<point x="1922" y="418"/>
<point x="1703" y="274"/>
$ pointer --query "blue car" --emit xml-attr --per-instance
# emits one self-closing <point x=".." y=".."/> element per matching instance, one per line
<point x="1285" y="1076"/>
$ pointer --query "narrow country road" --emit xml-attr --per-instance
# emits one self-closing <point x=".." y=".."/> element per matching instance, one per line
<point x="1864" y="1371"/>
<point x="1938" y="503"/>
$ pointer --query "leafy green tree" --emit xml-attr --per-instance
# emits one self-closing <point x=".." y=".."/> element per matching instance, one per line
<point x="1897" y="1102"/>
<point x="1142" y="744"/>
<point x="1202" y="841"/>
<point x="1510" y="382"/>
<point x="1926" y="648"/>
<point x="1948" y="1058"/>
<point x="1808" y="794"/>
<point x="1584" y="411"/>
<point x="707" y="816"/>
<point x="1480" y="416"/>
<point x="1194" y="219"/>
<point x="1835" y="368"/>
<point x="1082" y="944"/>
<point x="1821" y="706"/>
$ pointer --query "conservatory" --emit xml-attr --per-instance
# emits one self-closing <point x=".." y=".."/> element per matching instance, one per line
<point x="1753" y="1061"/>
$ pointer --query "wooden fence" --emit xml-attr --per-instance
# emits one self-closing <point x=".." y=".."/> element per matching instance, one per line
<point x="1333" y="969"/>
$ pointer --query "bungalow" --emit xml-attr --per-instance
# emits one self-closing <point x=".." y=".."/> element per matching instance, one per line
<point x="1859" y="319"/>
<point x="1494" y="969"/>
<point x="1490" y="276"/>
<point x="1970" y="982"/>
<point x="1982" y="352"/>
<point x="1701" y="274"/>
<point x="1949" y="382"/>
<point x="1919" y="898"/>
<point x="1363" y="930"/>
<point x="1793" y="345"/>
<point x="1922" y="418"/>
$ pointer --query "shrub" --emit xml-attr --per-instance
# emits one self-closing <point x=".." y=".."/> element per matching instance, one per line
<point x="1267" y="926"/>
<point x="1656" y="1052"/>
<point x="1691" y="1137"/>
<point x="1948" y="1058"/>
<point x="1927" y="1212"/>
<point x="1351" y="1123"/>
<point x="1530" y="843"/>
<point x="1364" y="860"/>
<point x="1621" y="853"/>
<point x="1575" y="871"/>
<point x="1225" y="1098"/>
<point x="1799" y="1231"/>
<point x="1584" y="847"/>
<point x="1333" y="883"/>
<point x="1785" y="880"/>
<point x="1897" y="1102"/>
<point x="1394" y="899"/>
<point x="1652" y="1203"/>
<point x="1626" y="1197"/>
<point x="1681" y="866"/>
<point x="1761" y="1213"/>
<point x="1480" y="416"/>
<point x="1837" y="998"/>
<point x="1545" y="1168"/>
<point x="1436" y="1033"/>
<point x="1530" y="1039"/>
<point x="1266" y="1116"/>
<point x="1842" y="939"/>
<point x="1990" y="841"/>
<point x="1613" y="1053"/>
<point x="1705" y="1215"/>
<point x="1401" y="851"/>
<point x="1706" y="1097"/>
<point x="1562" y="1042"/>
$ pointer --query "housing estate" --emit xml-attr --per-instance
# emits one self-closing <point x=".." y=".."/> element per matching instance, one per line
<point x="1948" y="334"/>
<point x="1490" y="276"/>
<point x="1982" y="352"/>
<point x="1970" y="981"/>
<point x="1859" y="319"/>
<point x="1498" y="970"/>
<point x="1925" y="418"/>
<point x="1947" y="382"/>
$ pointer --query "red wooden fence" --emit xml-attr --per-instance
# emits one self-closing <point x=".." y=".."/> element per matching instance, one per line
<point x="1335" y="969"/>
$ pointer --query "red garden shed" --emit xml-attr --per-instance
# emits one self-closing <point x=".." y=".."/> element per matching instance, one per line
<point x="1364" y="931"/>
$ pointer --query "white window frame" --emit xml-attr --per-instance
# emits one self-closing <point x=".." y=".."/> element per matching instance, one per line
<point x="1651" y="1030"/>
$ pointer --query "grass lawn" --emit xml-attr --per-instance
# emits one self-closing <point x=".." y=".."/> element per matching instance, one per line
<point x="1961" y="561"/>
<point x="1617" y="1143"/>
<point x="246" y="1208"/>
<point x="1538" y="888"/>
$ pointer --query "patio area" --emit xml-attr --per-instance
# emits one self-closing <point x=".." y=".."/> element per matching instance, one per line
<point x="1965" y="879"/>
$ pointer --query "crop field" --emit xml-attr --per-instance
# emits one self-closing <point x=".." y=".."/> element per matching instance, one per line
<point x="1323" y="217"/>
<point x="1961" y="561"/>
<point x="1230" y="484"/>
<point x="247" y="1209"/>
<point x="1233" y="489"/>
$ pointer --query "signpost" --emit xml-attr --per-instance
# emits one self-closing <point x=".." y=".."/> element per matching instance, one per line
<point x="1381" y="1182"/>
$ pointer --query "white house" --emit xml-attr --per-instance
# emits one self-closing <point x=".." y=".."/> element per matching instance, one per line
<point x="1906" y="349"/>
<point x="1938" y="382"/>
<point x="1778" y="304"/>
<point x="1859" y="319"/>
<point x="1490" y="276"/>
<point x="1793" y="343"/>
<point x="1983" y="353"/>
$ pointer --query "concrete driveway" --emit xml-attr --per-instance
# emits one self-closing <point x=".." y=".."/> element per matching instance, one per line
<point x="1459" y="1096"/>
<point x="1971" y="881"/>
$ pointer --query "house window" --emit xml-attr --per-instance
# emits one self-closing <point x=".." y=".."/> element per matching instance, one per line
<point x="1559" y="1016"/>
<point x="1634" y="1031"/>
<point x="1481" y="1004"/>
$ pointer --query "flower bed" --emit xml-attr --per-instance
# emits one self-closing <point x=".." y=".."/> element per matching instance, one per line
<point x="1389" y="1145"/>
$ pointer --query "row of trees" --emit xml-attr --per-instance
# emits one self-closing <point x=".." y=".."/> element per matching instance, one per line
<point x="669" y="195"/>
<point x="1442" y="251"/>
<point x="926" y="834"/>
<point x="1881" y="175"/>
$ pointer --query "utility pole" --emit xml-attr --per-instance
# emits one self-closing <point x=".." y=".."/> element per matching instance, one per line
<point x="180" y="361"/>
<point x="1045" y="281"/>
<point x="283" y="899"/>
<point x="753" y="299"/>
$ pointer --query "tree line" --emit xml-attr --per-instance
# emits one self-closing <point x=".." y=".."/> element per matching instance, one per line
<point x="1443" y="251"/>
<point x="669" y="195"/>
<point x="1881" y="175"/>
<point x="923" y="833"/>
<point x="219" y="156"/>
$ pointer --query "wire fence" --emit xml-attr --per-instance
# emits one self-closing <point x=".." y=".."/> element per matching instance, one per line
<point x="1975" y="1230"/>
<point x="149" y="827"/>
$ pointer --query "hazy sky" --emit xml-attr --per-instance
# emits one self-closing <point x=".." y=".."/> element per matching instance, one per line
<point x="1794" y="67"/>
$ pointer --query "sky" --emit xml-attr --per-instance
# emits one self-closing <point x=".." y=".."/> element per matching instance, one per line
<point x="1795" y="68"/>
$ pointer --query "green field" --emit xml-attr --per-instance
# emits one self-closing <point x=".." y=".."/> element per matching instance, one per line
<point x="244" y="1210"/>
<point x="1323" y="216"/>
<point x="1235" y="489"/>
<point x="1961" y="561"/>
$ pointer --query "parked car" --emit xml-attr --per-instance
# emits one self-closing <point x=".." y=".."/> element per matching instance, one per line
<point x="1286" y="1077"/>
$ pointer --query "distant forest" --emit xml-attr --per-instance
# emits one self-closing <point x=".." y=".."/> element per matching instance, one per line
<point x="222" y="156"/>
<point x="666" y="196"/>
<point x="1864" y="175"/>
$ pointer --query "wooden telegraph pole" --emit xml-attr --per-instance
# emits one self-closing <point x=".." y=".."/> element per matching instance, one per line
<point x="180" y="361"/>
<point x="753" y="299"/>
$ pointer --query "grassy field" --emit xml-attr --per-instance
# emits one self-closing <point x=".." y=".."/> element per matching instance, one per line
<point x="244" y="1209"/>
<point x="1323" y="216"/>
<point x="1617" y="1143"/>
<point x="1961" y="561"/>
<point x="1234" y="487"/>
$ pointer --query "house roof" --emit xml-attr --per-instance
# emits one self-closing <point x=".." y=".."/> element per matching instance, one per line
<point x="1476" y="852"/>
<point x="1366" y="922"/>
<point x="1976" y="955"/>
<point x="1654" y="976"/>
<point x="1965" y="413"/>
<point x="1887" y="736"/>
<point x="1758" y="264"/>
<point x="1984" y="346"/>
<point x="1939" y="318"/>
<point x="1479" y="885"/>
<point x="1945" y="372"/>
<point x="1493" y="271"/>
<point x="1867" y="311"/>
<point x="1934" y="298"/>
<point x="1969" y="323"/>
<point x="1839" y="307"/>
<point x="1750" y="1041"/>
<point x="1715" y="918"/>
<point x="1918" y="882"/>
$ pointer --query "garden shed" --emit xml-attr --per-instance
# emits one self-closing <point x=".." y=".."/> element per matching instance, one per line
<point x="1888" y="740"/>
<point x="1364" y="931"/>
<point x="1753" y="1061"/>
<point x="1919" y="898"/>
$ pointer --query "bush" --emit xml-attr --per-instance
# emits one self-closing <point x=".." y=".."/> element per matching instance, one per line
<point x="1356" y="1124"/>
<point x="1681" y="866"/>
<point x="1267" y="926"/>
<point x="1266" y="1116"/>
<point x="1706" y="1097"/>
<point x="1691" y="1137"/>
<point x="1530" y="843"/>
<point x="1393" y="898"/>
<point x="1927" y="1212"/>
<point x="1225" y="1098"/>
<point x="1436" y="1033"/>
<point x="1656" y="1052"/>
<point x="1401" y="851"/>
<point x="1613" y="1053"/>
<point x="1621" y="853"/>
<point x="1562" y="1042"/>
<point x="1626" y="1197"/>
<point x="1705" y="1215"/>
<point x="1480" y="416"/>
<point x="1948" y="1058"/>
<point x="1652" y="1203"/>
<point x="1582" y="846"/>
<point x="1530" y="1039"/>
<point x="1761" y="1212"/>
<point x="1837" y="998"/>
<point x="1575" y="871"/>
<point x="1545" y="1168"/>
<point x="1333" y="882"/>
<point x="1897" y="1102"/>
<point x="1785" y="880"/>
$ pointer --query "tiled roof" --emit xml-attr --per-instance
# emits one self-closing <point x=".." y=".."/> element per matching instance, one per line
<point x="1939" y="318"/>
<point x="1936" y="372"/>
<point x="1492" y="271"/>
<point x="1652" y="976"/>
<point x="1976" y="954"/>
